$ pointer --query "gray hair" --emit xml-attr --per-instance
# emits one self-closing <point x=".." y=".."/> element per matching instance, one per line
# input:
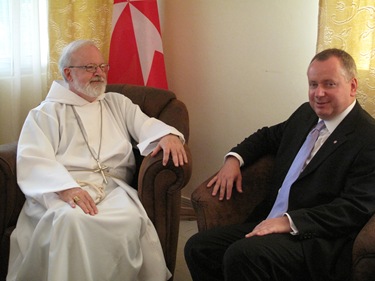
<point x="66" y="55"/>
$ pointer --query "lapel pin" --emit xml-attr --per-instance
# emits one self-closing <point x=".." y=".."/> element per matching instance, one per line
<point x="335" y="141"/>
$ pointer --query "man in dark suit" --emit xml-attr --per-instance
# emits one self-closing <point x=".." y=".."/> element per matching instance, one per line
<point x="326" y="206"/>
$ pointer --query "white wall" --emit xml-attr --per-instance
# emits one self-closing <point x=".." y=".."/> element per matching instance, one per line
<point x="238" y="65"/>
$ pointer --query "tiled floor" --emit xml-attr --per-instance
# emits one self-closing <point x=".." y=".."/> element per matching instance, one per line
<point x="187" y="229"/>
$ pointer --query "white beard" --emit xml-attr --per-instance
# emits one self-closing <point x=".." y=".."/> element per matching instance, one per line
<point x="89" y="89"/>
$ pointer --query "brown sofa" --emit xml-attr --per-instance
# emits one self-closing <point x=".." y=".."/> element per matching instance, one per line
<point x="212" y="213"/>
<point x="159" y="187"/>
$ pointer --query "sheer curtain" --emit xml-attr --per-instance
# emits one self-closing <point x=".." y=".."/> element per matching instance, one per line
<point x="350" y="25"/>
<point x="23" y="62"/>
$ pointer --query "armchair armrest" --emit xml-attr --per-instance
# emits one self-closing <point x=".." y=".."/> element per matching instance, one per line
<point x="11" y="197"/>
<point x="11" y="201"/>
<point x="213" y="213"/>
<point x="364" y="253"/>
<point x="159" y="189"/>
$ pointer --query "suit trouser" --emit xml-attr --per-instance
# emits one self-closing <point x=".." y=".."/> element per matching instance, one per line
<point x="225" y="254"/>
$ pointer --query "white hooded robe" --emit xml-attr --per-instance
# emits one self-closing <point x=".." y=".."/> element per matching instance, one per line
<point x="52" y="240"/>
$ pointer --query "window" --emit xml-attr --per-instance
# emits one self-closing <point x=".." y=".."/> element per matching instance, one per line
<point x="23" y="62"/>
<point x="23" y="33"/>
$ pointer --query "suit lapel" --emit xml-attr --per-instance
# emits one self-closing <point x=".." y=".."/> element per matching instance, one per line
<point x="334" y="141"/>
<point x="297" y="139"/>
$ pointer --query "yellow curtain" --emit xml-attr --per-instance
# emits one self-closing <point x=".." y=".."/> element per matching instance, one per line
<point x="79" y="19"/>
<point x="349" y="25"/>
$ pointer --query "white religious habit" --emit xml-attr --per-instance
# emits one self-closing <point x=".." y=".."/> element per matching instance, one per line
<point x="69" y="142"/>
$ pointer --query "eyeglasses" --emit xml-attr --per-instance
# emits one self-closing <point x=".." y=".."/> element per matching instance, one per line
<point x="92" y="67"/>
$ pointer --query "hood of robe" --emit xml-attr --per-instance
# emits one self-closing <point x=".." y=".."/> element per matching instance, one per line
<point x="59" y="92"/>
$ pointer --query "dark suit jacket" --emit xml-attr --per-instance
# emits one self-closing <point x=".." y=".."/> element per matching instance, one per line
<point x="335" y="195"/>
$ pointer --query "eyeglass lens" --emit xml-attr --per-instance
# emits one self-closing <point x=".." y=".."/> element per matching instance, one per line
<point x="92" y="67"/>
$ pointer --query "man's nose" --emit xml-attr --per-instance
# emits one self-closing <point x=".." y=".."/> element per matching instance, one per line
<point x="319" y="91"/>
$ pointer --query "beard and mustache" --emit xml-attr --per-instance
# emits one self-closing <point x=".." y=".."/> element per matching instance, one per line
<point x="94" y="88"/>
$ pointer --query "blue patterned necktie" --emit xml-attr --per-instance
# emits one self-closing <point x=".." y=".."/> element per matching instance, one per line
<point x="281" y="204"/>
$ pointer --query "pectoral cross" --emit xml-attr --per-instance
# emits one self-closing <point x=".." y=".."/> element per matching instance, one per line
<point x="101" y="170"/>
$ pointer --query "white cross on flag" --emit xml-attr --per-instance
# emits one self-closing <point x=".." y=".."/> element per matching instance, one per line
<point x="136" y="49"/>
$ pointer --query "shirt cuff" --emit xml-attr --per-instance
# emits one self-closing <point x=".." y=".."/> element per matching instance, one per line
<point x="239" y="158"/>
<point x="292" y="225"/>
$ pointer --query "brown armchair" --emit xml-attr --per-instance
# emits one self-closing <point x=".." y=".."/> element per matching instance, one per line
<point x="159" y="187"/>
<point x="212" y="213"/>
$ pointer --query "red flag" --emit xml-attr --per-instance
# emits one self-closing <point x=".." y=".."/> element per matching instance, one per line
<point x="136" y="50"/>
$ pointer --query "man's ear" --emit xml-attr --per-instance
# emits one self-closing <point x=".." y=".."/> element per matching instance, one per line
<point x="68" y="74"/>
<point x="354" y="86"/>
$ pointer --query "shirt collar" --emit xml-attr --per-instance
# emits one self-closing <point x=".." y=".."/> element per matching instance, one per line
<point x="332" y="124"/>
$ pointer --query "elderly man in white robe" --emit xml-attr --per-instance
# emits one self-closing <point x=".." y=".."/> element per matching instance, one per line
<point x="81" y="219"/>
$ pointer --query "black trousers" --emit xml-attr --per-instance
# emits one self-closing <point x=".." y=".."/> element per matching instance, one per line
<point x="225" y="254"/>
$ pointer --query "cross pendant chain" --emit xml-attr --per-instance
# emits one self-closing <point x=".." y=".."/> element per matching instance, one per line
<point x="101" y="170"/>
<point x="81" y="127"/>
